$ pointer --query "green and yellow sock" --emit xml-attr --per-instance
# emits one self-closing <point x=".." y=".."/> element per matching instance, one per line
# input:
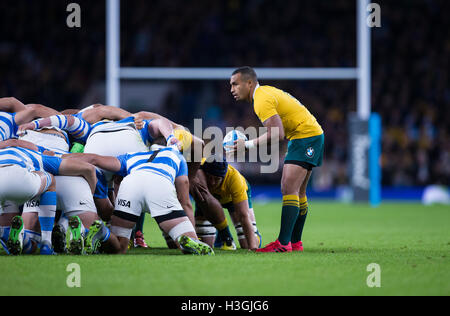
<point x="224" y="230"/>
<point x="300" y="223"/>
<point x="289" y="214"/>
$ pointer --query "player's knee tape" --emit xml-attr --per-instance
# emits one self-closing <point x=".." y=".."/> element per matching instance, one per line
<point x="78" y="213"/>
<point x="28" y="239"/>
<point x="204" y="229"/>
<point x="180" y="229"/>
<point x="239" y="231"/>
<point x="48" y="180"/>
<point x="121" y="231"/>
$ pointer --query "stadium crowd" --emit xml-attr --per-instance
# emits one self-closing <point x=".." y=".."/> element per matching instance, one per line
<point x="43" y="61"/>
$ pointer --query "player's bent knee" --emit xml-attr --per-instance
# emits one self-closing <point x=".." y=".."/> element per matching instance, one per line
<point x="175" y="224"/>
<point x="121" y="232"/>
<point x="182" y="228"/>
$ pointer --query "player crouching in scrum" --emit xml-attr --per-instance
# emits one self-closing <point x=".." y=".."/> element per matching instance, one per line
<point x="155" y="182"/>
<point x="232" y="190"/>
<point x="25" y="174"/>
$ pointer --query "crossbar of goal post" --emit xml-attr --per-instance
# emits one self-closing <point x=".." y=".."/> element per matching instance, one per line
<point x="361" y="74"/>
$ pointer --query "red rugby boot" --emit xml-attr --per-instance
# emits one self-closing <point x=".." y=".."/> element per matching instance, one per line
<point x="276" y="246"/>
<point x="298" y="246"/>
<point x="139" y="241"/>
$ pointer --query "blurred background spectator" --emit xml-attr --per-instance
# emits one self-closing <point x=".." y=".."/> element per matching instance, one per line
<point x="44" y="61"/>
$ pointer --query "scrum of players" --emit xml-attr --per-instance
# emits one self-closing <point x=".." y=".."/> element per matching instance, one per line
<point x="77" y="182"/>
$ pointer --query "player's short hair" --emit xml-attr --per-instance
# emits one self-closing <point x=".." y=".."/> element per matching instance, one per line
<point x="247" y="72"/>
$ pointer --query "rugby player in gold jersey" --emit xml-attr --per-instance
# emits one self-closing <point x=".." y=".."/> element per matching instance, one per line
<point x="285" y="117"/>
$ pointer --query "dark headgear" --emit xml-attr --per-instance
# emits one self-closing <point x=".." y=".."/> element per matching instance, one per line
<point x="216" y="166"/>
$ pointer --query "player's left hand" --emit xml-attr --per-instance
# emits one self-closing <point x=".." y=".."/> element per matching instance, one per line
<point x="238" y="146"/>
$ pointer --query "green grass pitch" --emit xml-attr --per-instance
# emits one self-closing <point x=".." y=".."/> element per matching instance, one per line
<point x="409" y="242"/>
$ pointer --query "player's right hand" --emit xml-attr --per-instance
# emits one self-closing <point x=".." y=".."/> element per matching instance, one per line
<point x="138" y="121"/>
<point x="25" y="127"/>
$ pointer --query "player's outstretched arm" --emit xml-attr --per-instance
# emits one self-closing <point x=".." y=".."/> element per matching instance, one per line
<point x="75" y="167"/>
<point x="18" y="143"/>
<point x="143" y="115"/>
<point x="34" y="111"/>
<point x="242" y="211"/>
<point x="105" y="112"/>
<point x="162" y="128"/>
<point x="11" y="105"/>
<point x="182" y="187"/>
<point x="108" y="163"/>
<point x="275" y="132"/>
<point x="75" y="126"/>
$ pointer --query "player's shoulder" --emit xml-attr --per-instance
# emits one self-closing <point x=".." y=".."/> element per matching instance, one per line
<point x="267" y="91"/>
<point x="234" y="177"/>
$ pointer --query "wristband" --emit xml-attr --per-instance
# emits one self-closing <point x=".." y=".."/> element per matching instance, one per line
<point x="249" y="144"/>
<point x="169" y="138"/>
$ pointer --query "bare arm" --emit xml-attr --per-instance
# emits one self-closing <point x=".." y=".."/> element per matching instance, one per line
<point x="242" y="211"/>
<point x="108" y="163"/>
<point x="11" y="105"/>
<point x="41" y="110"/>
<point x="143" y="115"/>
<point x="18" y="143"/>
<point x="182" y="187"/>
<point x="105" y="208"/>
<point x="34" y="111"/>
<point x="73" y="167"/>
<point x="275" y="132"/>
<point x="162" y="128"/>
<point x="102" y="112"/>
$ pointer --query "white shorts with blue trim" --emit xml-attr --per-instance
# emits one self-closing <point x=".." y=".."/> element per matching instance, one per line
<point x="73" y="195"/>
<point x="18" y="184"/>
<point x="112" y="142"/>
<point x="145" y="191"/>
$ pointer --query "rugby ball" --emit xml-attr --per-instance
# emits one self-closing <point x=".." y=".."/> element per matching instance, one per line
<point x="231" y="137"/>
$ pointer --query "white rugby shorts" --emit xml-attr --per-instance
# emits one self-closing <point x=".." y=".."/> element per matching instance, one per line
<point x="109" y="142"/>
<point x="73" y="195"/>
<point x="144" y="191"/>
<point x="9" y="207"/>
<point x="50" y="141"/>
<point x="18" y="184"/>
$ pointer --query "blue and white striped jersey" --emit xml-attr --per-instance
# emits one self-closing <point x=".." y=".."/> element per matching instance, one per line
<point x="29" y="159"/>
<point x="166" y="162"/>
<point x="111" y="126"/>
<point x="8" y="126"/>
<point x="80" y="130"/>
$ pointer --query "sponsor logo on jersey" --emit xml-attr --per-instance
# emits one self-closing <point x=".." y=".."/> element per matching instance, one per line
<point x="32" y="203"/>
<point x="124" y="203"/>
